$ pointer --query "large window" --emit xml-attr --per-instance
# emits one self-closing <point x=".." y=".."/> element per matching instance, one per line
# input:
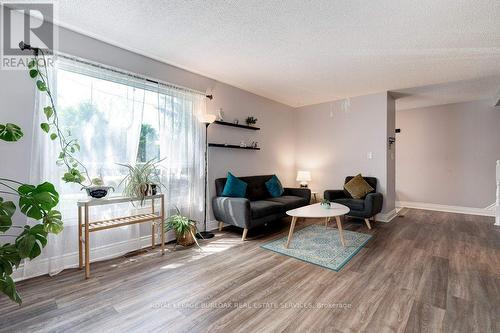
<point x="120" y="119"/>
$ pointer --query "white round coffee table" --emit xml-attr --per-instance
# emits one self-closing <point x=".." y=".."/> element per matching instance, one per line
<point x="317" y="211"/>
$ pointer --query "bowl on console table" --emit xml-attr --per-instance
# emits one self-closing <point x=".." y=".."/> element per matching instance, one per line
<point x="98" y="192"/>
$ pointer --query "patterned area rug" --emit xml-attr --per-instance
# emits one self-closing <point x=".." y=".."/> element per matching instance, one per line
<point x="316" y="245"/>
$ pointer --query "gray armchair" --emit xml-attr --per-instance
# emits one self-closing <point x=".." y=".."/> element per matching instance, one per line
<point x="365" y="208"/>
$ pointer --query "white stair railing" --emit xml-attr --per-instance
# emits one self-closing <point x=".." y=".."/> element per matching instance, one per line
<point x="497" y="206"/>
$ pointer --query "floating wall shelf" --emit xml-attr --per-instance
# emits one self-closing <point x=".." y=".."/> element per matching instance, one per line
<point x="225" y="123"/>
<point x="222" y="145"/>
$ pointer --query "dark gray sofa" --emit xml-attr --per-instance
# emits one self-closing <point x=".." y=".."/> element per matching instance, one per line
<point x="365" y="208"/>
<point x="258" y="207"/>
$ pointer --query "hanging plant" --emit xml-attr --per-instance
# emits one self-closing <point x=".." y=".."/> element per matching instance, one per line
<point x="76" y="172"/>
<point x="34" y="201"/>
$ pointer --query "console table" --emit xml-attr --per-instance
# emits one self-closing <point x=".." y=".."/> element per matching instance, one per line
<point x="85" y="227"/>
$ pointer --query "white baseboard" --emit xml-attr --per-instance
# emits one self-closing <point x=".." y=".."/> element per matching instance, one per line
<point x="488" y="211"/>
<point x="386" y="217"/>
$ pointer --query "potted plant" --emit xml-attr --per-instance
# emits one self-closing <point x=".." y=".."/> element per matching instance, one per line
<point x="142" y="179"/>
<point x="251" y="120"/>
<point x="184" y="228"/>
<point x="325" y="203"/>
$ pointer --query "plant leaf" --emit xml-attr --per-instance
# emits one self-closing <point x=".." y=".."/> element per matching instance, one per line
<point x="7" y="209"/>
<point x="52" y="222"/>
<point x="5" y="223"/>
<point x="31" y="64"/>
<point x="9" y="258"/>
<point x="45" y="127"/>
<point x="31" y="241"/>
<point x="48" y="112"/>
<point x="41" y="85"/>
<point x="8" y="287"/>
<point x="53" y="136"/>
<point x="35" y="201"/>
<point x="10" y="132"/>
<point x="33" y="73"/>
<point x="73" y="176"/>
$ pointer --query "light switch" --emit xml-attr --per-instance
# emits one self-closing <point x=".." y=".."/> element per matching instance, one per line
<point x="369" y="155"/>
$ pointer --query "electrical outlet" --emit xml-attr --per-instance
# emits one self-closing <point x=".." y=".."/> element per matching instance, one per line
<point x="369" y="155"/>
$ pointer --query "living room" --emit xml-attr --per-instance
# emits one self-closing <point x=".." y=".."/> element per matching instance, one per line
<point x="250" y="166"/>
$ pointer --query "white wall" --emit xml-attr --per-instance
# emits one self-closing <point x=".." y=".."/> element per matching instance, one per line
<point x="446" y="154"/>
<point x="333" y="143"/>
<point x="275" y="137"/>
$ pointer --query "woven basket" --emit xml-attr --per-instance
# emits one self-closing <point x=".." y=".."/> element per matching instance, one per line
<point x="187" y="239"/>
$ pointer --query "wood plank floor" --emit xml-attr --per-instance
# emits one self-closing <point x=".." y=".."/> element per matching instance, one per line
<point x="423" y="272"/>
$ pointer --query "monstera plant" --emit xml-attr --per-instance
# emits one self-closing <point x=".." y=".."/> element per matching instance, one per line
<point x="34" y="201"/>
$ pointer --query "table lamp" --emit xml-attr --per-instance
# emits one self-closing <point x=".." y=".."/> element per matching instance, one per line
<point x="303" y="177"/>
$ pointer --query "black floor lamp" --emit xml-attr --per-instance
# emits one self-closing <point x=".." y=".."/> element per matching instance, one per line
<point x="207" y="119"/>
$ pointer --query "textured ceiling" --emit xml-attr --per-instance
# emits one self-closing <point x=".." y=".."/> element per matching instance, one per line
<point x="304" y="52"/>
<point x="486" y="88"/>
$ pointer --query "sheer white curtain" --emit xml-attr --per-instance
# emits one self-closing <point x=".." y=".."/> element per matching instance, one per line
<point x="105" y="116"/>
<point x="106" y="111"/>
<point x="182" y="145"/>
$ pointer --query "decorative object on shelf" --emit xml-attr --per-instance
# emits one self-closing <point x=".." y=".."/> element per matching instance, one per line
<point x="325" y="203"/>
<point x="251" y="121"/>
<point x="243" y="144"/>
<point x="184" y="228"/>
<point x="207" y="119"/>
<point x="303" y="177"/>
<point x="220" y="115"/>
<point x="225" y="123"/>
<point x="140" y="178"/>
<point x="254" y="144"/>
<point x="236" y="121"/>
<point x="225" y="145"/>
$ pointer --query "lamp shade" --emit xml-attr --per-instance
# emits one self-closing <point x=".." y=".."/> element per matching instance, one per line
<point x="207" y="118"/>
<point x="303" y="176"/>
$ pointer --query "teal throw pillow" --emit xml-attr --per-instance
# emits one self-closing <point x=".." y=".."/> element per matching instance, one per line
<point x="274" y="187"/>
<point x="234" y="187"/>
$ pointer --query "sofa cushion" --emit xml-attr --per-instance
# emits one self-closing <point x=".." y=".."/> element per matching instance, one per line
<point x="256" y="187"/>
<point x="261" y="208"/>
<point x="290" y="201"/>
<point x="274" y="187"/>
<point x="357" y="187"/>
<point x="234" y="187"/>
<point x="353" y="204"/>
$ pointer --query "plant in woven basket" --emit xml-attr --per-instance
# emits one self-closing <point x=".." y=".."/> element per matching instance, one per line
<point x="184" y="228"/>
